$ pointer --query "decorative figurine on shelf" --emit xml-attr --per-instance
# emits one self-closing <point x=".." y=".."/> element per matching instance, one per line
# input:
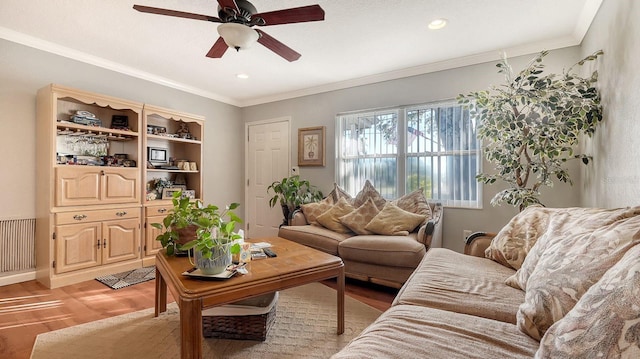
<point x="183" y="131"/>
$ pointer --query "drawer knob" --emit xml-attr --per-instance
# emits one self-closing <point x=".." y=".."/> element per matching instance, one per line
<point x="79" y="217"/>
<point x="120" y="214"/>
<point x="162" y="210"/>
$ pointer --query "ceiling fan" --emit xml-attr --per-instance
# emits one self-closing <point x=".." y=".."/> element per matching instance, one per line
<point x="237" y="18"/>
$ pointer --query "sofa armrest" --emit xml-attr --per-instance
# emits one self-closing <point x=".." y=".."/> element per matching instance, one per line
<point x="298" y="218"/>
<point x="430" y="234"/>
<point x="476" y="243"/>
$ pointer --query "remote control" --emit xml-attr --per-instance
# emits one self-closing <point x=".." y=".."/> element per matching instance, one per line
<point x="269" y="252"/>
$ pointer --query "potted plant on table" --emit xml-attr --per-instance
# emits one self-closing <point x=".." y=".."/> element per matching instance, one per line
<point x="531" y="125"/>
<point x="208" y="230"/>
<point x="291" y="193"/>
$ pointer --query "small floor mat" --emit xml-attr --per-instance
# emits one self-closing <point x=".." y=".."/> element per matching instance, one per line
<point x="128" y="278"/>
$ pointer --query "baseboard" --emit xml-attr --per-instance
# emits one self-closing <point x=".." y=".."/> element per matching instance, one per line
<point x="20" y="277"/>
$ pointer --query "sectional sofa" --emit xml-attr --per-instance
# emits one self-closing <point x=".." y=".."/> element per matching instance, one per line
<point x="553" y="283"/>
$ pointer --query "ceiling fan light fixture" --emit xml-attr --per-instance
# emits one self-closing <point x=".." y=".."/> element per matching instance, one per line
<point x="437" y="24"/>
<point x="238" y="36"/>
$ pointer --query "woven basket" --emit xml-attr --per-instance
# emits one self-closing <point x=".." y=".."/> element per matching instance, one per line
<point x="240" y="327"/>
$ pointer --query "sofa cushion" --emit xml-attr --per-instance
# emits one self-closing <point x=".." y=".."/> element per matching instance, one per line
<point x="408" y="331"/>
<point x="369" y="192"/>
<point x="383" y="250"/>
<point x="331" y="218"/>
<point x="606" y="320"/>
<point x="415" y="202"/>
<point x="567" y="222"/>
<point x="316" y="237"/>
<point x="313" y="210"/>
<point x="567" y="267"/>
<point x="511" y="245"/>
<point x="394" y="221"/>
<point x="461" y="283"/>
<point x="358" y="219"/>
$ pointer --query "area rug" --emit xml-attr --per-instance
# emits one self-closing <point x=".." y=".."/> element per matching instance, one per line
<point x="128" y="278"/>
<point x="305" y="327"/>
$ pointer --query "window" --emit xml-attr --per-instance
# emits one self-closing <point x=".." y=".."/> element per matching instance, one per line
<point x="433" y="146"/>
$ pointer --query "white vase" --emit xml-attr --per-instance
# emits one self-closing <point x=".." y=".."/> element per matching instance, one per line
<point x="218" y="263"/>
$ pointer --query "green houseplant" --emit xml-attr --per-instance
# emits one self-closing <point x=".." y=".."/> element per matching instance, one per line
<point x="215" y="237"/>
<point x="291" y="193"/>
<point x="530" y="126"/>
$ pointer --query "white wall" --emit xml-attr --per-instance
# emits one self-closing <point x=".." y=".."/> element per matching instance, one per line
<point x="321" y="109"/>
<point x="24" y="70"/>
<point x="616" y="179"/>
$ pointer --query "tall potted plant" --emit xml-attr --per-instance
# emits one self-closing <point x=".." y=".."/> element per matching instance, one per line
<point x="530" y="126"/>
<point x="291" y="193"/>
<point x="215" y="237"/>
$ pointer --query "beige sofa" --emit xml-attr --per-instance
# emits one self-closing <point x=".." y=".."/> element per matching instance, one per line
<point x="382" y="259"/>
<point x="575" y="293"/>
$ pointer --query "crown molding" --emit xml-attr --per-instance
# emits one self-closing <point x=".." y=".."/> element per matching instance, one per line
<point x="63" y="51"/>
<point x="420" y="70"/>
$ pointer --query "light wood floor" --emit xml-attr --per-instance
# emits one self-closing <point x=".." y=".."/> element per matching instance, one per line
<point x="28" y="309"/>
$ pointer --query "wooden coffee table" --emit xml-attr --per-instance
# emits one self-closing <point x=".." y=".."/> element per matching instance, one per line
<point x="295" y="265"/>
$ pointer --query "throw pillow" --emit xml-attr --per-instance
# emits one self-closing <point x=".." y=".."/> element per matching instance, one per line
<point x="358" y="219"/>
<point x="566" y="223"/>
<point x="415" y="202"/>
<point x="338" y="193"/>
<point x="511" y="245"/>
<point x="605" y="322"/>
<point x="311" y="211"/>
<point x="331" y="218"/>
<point x="394" y="221"/>
<point x="369" y="192"/>
<point x="567" y="268"/>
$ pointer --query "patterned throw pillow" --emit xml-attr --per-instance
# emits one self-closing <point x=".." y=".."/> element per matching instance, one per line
<point x="338" y="193"/>
<point x="415" y="202"/>
<point x="331" y="218"/>
<point x="369" y="192"/>
<point x="358" y="219"/>
<point x="394" y="221"/>
<point x="566" y="223"/>
<point x="567" y="268"/>
<point x="511" y="245"/>
<point x="313" y="210"/>
<point x="605" y="323"/>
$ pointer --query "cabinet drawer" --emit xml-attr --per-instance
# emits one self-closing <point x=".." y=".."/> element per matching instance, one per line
<point x="96" y="215"/>
<point x="158" y="210"/>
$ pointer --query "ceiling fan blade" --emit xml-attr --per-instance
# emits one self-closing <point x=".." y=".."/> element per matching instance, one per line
<point x="293" y="15"/>
<point x="218" y="49"/>
<point x="186" y="15"/>
<point x="228" y="4"/>
<point x="276" y="46"/>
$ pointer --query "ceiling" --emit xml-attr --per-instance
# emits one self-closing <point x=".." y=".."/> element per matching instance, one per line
<point x="360" y="41"/>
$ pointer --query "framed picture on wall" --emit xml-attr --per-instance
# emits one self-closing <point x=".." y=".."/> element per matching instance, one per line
<point x="311" y="146"/>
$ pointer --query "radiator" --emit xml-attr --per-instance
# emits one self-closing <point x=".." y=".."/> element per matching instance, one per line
<point x="17" y="245"/>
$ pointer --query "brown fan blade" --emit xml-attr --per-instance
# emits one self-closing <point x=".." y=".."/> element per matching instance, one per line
<point x="293" y="15"/>
<point x="276" y="46"/>
<point x="218" y="49"/>
<point x="228" y="4"/>
<point x="187" y="15"/>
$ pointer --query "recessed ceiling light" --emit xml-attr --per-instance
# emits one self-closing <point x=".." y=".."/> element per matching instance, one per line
<point x="242" y="76"/>
<point x="437" y="24"/>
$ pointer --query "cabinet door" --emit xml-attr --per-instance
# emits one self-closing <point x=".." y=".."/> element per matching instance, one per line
<point x="121" y="240"/>
<point x="151" y="245"/>
<point x="77" y="246"/>
<point x="120" y="185"/>
<point x="77" y="186"/>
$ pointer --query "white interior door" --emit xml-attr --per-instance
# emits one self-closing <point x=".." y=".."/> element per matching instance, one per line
<point x="268" y="160"/>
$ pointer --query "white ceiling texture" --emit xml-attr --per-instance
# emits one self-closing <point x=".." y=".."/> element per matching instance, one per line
<point x="359" y="42"/>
